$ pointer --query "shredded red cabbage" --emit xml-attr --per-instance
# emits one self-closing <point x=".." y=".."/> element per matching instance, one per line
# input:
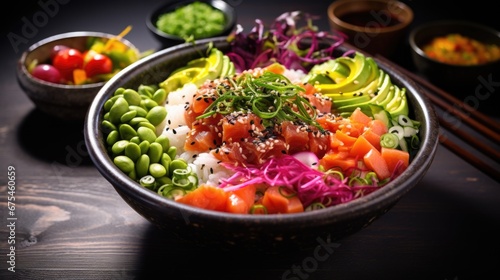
<point x="295" y="47"/>
<point x="311" y="185"/>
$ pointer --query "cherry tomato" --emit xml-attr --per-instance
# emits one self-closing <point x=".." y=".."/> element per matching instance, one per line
<point x="47" y="72"/>
<point x="66" y="61"/>
<point x="56" y="49"/>
<point x="96" y="64"/>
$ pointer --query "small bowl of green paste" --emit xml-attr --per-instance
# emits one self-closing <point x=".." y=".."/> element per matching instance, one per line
<point x="188" y="20"/>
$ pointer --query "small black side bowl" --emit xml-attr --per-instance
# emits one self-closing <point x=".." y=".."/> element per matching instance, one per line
<point x="461" y="80"/>
<point x="264" y="233"/>
<point x="169" y="40"/>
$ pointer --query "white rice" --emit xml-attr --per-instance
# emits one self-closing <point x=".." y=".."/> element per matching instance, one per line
<point x="205" y="165"/>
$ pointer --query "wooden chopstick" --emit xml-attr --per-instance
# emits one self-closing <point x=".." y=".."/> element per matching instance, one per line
<point x="469" y="138"/>
<point x="453" y="100"/>
<point x="480" y="127"/>
<point x="471" y="158"/>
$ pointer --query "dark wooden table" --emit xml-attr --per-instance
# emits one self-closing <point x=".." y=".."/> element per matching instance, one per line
<point x="71" y="224"/>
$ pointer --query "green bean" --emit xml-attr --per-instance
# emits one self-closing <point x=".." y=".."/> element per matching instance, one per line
<point x="118" y="109"/>
<point x="164" y="141"/>
<point x="144" y="145"/>
<point x="124" y="163"/>
<point x="157" y="170"/>
<point x="126" y="131"/>
<point x="156" y="115"/>
<point x="133" y="151"/>
<point x="155" y="152"/>
<point x="132" y="96"/>
<point x="140" y="111"/>
<point x="142" y="165"/>
<point x="119" y="147"/>
<point x="112" y="137"/>
<point x="146" y="134"/>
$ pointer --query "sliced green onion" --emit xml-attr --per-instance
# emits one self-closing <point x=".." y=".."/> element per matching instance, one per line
<point x="258" y="209"/>
<point x="389" y="140"/>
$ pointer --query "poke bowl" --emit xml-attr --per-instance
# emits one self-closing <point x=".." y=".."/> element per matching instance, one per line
<point x="210" y="188"/>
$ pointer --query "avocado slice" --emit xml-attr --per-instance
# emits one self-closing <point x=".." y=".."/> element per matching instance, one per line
<point x="360" y="72"/>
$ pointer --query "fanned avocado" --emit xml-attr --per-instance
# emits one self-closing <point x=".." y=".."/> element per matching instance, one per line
<point x="364" y="86"/>
<point x="360" y="71"/>
<point x="197" y="71"/>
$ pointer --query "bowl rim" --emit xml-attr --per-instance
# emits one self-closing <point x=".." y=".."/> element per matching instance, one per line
<point x="452" y="23"/>
<point x="356" y="28"/>
<point x="63" y="36"/>
<point x="217" y="4"/>
<point x="356" y="208"/>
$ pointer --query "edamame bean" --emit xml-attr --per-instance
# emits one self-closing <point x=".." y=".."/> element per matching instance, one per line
<point x="155" y="152"/>
<point x="177" y="164"/>
<point x="107" y="126"/>
<point x="133" y="151"/>
<point x="106" y="116"/>
<point x="132" y="175"/>
<point x="127" y="131"/>
<point x="163" y="180"/>
<point x="135" y="139"/>
<point x="140" y="111"/>
<point x="142" y="166"/>
<point x="108" y="104"/>
<point x="112" y="137"/>
<point x="156" y="115"/>
<point x="157" y="170"/>
<point x="164" y="141"/>
<point x="147" y="134"/>
<point x="118" y="109"/>
<point x="119" y="147"/>
<point x="128" y="116"/>
<point x="146" y="90"/>
<point x="124" y="163"/>
<point x="135" y="121"/>
<point x="144" y="145"/>
<point x="172" y="152"/>
<point x="160" y="96"/>
<point x="148" y="104"/>
<point x="165" y="161"/>
<point x="119" y="91"/>
<point x="132" y="97"/>
<point x="148" y="125"/>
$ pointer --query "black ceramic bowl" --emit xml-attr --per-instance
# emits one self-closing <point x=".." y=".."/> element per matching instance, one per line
<point x="461" y="80"/>
<point x="169" y="40"/>
<point x="268" y="233"/>
<point x="66" y="102"/>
